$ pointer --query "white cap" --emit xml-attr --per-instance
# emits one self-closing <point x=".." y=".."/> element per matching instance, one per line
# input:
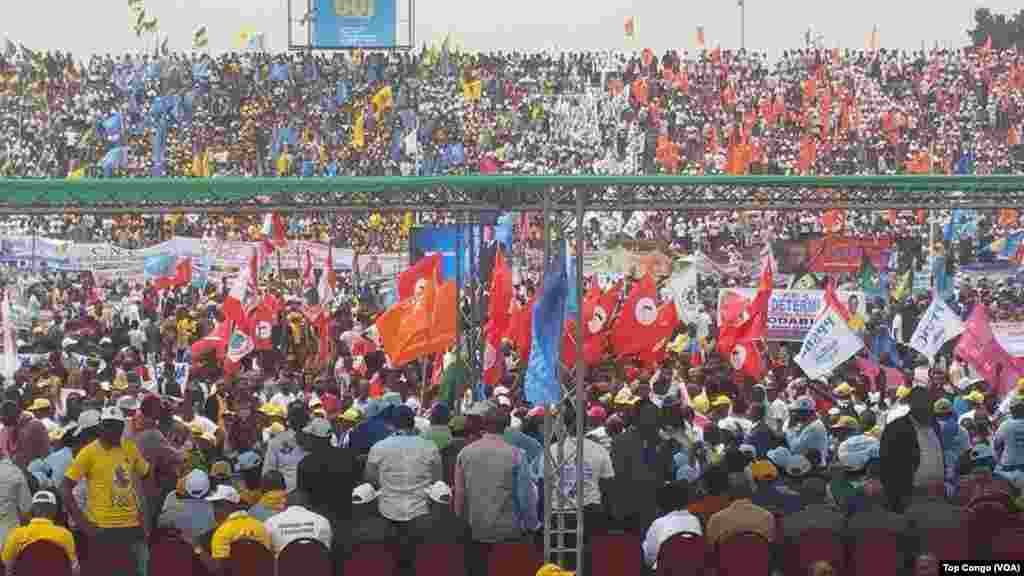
<point x="87" y="419"/>
<point x="500" y="391"/>
<point x="128" y="403"/>
<point x="224" y="493"/>
<point x="504" y="401"/>
<point x="364" y="494"/>
<point x="44" y="497"/>
<point x="112" y="414"/>
<point x="318" y="428"/>
<point x="855" y="453"/>
<point x="413" y="403"/>
<point x="440" y="492"/>
<point x="197" y="484"/>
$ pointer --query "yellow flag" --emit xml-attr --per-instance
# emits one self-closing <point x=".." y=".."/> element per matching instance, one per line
<point x="358" y="136"/>
<point x="472" y="90"/>
<point x="383" y="100"/>
<point x="284" y="164"/>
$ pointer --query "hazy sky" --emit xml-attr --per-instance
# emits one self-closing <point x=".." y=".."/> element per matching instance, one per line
<point x="85" y="26"/>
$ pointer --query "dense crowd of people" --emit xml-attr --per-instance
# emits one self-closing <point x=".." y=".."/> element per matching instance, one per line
<point x="121" y="427"/>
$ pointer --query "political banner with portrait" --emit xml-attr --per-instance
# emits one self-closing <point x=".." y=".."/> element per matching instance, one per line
<point x="791" y="313"/>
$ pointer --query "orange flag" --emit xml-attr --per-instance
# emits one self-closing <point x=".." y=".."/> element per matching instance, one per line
<point x="1008" y="217"/>
<point x="407" y="323"/>
<point x="1012" y="139"/>
<point x="667" y="154"/>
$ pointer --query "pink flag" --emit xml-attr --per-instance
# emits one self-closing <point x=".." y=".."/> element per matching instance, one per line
<point x="979" y="347"/>
<point x="893" y="378"/>
<point x="870" y="370"/>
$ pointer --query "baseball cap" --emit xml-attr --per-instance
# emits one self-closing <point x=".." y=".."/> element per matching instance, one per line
<point x="902" y="391"/>
<point x="39" y="404"/>
<point x="942" y="407"/>
<point x="248" y="460"/>
<point x="597" y="413"/>
<point x="500" y="391"/>
<point x="220" y="469"/>
<point x="803" y="404"/>
<point x="112" y="414"/>
<point x="844" y="389"/>
<point x="87" y="419"/>
<point x="318" y="428"/>
<point x="856" y="452"/>
<point x="364" y="494"/>
<point x="975" y="396"/>
<point x="439" y="492"/>
<point x="721" y="400"/>
<point x="224" y="493"/>
<point x="44" y="497"/>
<point x="350" y="415"/>
<point x="780" y="456"/>
<point x="504" y="401"/>
<point x="483" y="409"/>
<point x="128" y="403"/>
<point x="798" y="465"/>
<point x="763" y="470"/>
<point x="847" y="422"/>
<point x="748" y="449"/>
<point x="197" y="484"/>
<point x="457" y="423"/>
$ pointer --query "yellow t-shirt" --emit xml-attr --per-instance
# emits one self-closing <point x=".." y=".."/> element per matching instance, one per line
<point x="111" y="473"/>
<point x="238" y="526"/>
<point x="38" y="529"/>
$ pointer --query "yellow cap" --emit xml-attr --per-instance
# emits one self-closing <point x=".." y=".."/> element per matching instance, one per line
<point x="721" y="400"/>
<point x="763" y="470"/>
<point x="39" y="404"/>
<point x="350" y="415"/>
<point x="843" y="390"/>
<point x="902" y="392"/>
<point x="848" y="422"/>
<point x="700" y="403"/>
<point x="275" y="428"/>
<point x="975" y="396"/>
<point x="625" y="397"/>
<point x="220" y="469"/>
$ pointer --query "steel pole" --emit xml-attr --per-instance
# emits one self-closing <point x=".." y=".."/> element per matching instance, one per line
<point x="580" y="393"/>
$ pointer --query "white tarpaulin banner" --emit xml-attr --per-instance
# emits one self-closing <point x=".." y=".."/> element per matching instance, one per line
<point x="829" y="343"/>
<point x="1010" y="336"/>
<point x="938" y="326"/>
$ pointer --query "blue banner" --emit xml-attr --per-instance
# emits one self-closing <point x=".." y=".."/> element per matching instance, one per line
<point x="355" y="23"/>
<point x="451" y="241"/>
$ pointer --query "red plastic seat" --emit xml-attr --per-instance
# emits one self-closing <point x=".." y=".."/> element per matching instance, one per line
<point x="514" y="559"/>
<point x="1007" y="544"/>
<point x="615" y="555"/>
<point x="876" y="553"/>
<point x="947" y="545"/>
<point x="813" y="546"/>
<point x="170" y="557"/>
<point x="744" y="554"/>
<point x="250" y="558"/>
<point x="684" y="554"/>
<point x="376" y="559"/>
<point x="447" y="559"/>
<point x="985" y="520"/>
<point x="305" y="556"/>
<point x="42" y="557"/>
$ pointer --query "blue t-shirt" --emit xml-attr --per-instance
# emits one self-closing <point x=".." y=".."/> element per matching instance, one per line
<point x="1011" y="435"/>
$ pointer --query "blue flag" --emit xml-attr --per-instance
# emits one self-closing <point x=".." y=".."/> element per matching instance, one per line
<point x="159" y="266"/>
<point x="503" y="230"/>
<point x="112" y="127"/>
<point x="201" y="271"/>
<point x="543" y="373"/>
<point x="572" y="299"/>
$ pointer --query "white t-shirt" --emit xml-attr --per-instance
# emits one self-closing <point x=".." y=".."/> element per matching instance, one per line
<point x="284" y="455"/>
<point x="597" y="466"/>
<point x="1011" y="435"/>
<point x="296" y="522"/>
<point x="664" y="528"/>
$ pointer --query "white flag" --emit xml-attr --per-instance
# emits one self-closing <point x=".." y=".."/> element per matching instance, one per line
<point x="10" y="359"/>
<point x="829" y="343"/>
<point x="938" y="326"/>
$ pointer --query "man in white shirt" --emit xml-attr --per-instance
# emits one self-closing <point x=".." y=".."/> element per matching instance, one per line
<point x="15" y="498"/>
<point x="295" y="522"/>
<point x="673" y="499"/>
<point x="1009" y="439"/>
<point x="597" y="472"/>
<point x="284" y="451"/>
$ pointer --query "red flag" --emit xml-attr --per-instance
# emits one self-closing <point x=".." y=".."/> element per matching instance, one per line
<point x="740" y="342"/>
<point x="832" y="300"/>
<point x="425" y="269"/>
<point x="664" y="326"/>
<point x="308" y="280"/>
<point x="273" y="233"/>
<point x="520" y="326"/>
<point x="182" y="276"/>
<point x="637" y="330"/>
<point x="497" y="319"/>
